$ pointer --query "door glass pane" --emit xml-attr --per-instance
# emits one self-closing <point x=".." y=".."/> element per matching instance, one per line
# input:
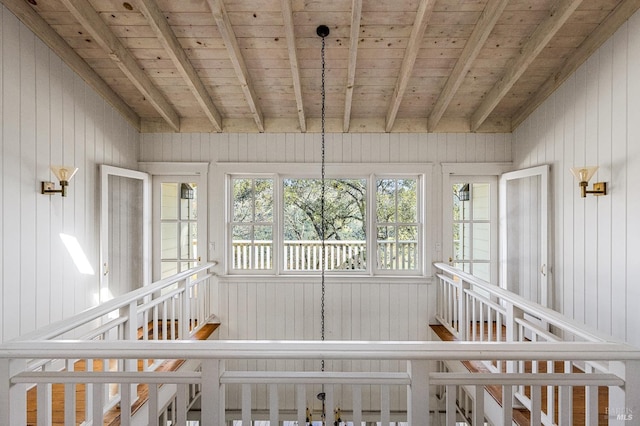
<point x="178" y="227"/>
<point x="169" y="268"/>
<point x="188" y="240"/>
<point x="482" y="270"/>
<point x="169" y="199"/>
<point x="481" y="201"/>
<point x="464" y="249"/>
<point x="481" y="241"/>
<point x="471" y="231"/>
<point x="189" y="207"/>
<point x="169" y="240"/>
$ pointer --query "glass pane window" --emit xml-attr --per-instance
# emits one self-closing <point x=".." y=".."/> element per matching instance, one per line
<point x="344" y="224"/>
<point x="397" y="224"/>
<point x="252" y="224"/>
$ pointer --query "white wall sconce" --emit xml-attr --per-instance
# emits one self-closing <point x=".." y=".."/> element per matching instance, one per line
<point x="64" y="175"/>
<point x="583" y="174"/>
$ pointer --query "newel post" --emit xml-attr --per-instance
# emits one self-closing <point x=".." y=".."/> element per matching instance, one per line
<point x="213" y="393"/>
<point x="13" y="397"/>
<point x="418" y="392"/>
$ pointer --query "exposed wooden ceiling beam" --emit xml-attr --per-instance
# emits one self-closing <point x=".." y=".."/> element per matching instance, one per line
<point x="165" y="34"/>
<point x="529" y="52"/>
<point x="417" y="34"/>
<point x="50" y="37"/>
<point x="354" y="35"/>
<point x="93" y="23"/>
<point x="229" y="37"/>
<point x="490" y="15"/>
<point x="287" y="16"/>
<point x="601" y="34"/>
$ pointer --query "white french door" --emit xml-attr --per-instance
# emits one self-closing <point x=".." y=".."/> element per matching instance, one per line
<point x="524" y="207"/>
<point x="471" y="235"/>
<point x="179" y="223"/>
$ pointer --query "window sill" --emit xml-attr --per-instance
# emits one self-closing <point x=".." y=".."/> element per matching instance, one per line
<point x="330" y="279"/>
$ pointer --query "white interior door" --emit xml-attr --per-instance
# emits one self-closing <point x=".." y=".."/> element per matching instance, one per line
<point x="179" y="223"/>
<point x="125" y="231"/>
<point x="524" y="209"/>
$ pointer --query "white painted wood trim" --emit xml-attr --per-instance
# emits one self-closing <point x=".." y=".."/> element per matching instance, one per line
<point x="543" y="173"/>
<point x="174" y="168"/>
<point x="105" y="172"/>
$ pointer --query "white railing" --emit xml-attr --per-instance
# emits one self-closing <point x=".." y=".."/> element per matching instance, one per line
<point x="283" y="383"/>
<point x="213" y="380"/>
<point x="171" y="309"/>
<point x="339" y="255"/>
<point x="474" y="310"/>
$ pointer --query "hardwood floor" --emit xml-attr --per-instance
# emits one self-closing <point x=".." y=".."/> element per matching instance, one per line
<point x="112" y="418"/>
<point x="521" y="416"/>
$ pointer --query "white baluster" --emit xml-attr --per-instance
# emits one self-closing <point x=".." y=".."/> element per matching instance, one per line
<point x="70" y="398"/>
<point x="536" y="405"/>
<point x="450" y="404"/>
<point x="274" y="405"/>
<point x="301" y="403"/>
<point x="44" y="400"/>
<point x="507" y="405"/>
<point x="152" y="405"/>
<point x="385" y="405"/>
<point x="125" y="404"/>
<point x="246" y="404"/>
<point x="357" y="405"/>
<point x="478" y="406"/>
<point x="99" y="399"/>
<point x="182" y="401"/>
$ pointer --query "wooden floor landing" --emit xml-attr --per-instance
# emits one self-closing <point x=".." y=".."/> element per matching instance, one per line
<point x="112" y="418"/>
<point x="521" y="416"/>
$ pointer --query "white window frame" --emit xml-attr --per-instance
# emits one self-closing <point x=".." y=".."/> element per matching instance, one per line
<point x="228" y="181"/>
<point x="370" y="171"/>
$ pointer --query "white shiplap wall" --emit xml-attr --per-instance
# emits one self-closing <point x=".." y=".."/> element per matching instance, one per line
<point x="288" y="308"/>
<point x="49" y="116"/>
<point x="594" y="119"/>
<point x="305" y="148"/>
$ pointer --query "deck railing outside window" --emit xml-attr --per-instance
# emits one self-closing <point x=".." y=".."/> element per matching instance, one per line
<point x="340" y="255"/>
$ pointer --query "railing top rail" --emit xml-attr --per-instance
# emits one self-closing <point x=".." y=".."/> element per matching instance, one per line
<point x="63" y="326"/>
<point x="338" y="350"/>
<point x="574" y="327"/>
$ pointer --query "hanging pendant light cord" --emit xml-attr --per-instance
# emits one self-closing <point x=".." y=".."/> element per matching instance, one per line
<point x="323" y="31"/>
<point x="323" y="226"/>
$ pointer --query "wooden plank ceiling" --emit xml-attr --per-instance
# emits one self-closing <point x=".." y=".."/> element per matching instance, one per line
<point x="391" y="65"/>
